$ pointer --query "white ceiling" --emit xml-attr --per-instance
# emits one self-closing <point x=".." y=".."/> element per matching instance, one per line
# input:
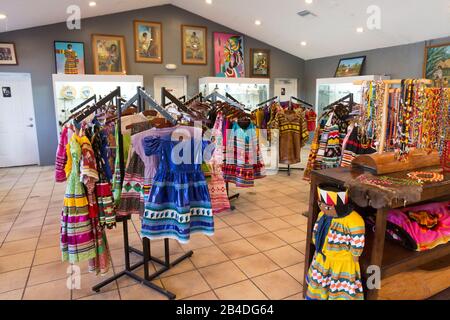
<point x="332" y="32"/>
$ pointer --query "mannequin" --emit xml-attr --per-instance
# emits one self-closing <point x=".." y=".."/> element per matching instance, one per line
<point x="338" y="235"/>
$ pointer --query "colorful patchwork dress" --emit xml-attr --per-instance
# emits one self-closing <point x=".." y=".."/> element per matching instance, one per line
<point x="179" y="203"/>
<point x="89" y="177"/>
<point x="216" y="184"/>
<point x="334" y="274"/>
<point x="77" y="238"/>
<point x="244" y="162"/>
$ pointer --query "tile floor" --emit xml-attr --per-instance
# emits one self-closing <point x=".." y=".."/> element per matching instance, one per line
<point x="257" y="251"/>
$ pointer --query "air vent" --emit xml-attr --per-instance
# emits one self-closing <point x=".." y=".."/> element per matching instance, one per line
<point x="306" y="13"/>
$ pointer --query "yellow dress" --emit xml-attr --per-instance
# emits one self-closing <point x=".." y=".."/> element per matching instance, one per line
<point x="338" y="276"/>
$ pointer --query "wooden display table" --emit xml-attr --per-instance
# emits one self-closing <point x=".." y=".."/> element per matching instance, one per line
<point x="391" y="257"/>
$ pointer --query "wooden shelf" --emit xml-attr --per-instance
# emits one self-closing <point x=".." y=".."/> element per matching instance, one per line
<point x="397" y="259"/>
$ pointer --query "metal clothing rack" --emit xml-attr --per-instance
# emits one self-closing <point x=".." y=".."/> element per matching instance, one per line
<point x="78" y="107"/>
<point x="343" y="99"/>
<point x="267" y="101"/>
<point x="213" y="97"/>
<point x="301" y="101"/>
<point x="142" y="98"/>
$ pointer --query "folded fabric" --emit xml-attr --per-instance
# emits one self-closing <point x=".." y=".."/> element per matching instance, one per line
<point x="421" y="227"/>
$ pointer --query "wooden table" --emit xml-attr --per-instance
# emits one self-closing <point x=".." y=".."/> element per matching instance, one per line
<point x="391" y="257"/>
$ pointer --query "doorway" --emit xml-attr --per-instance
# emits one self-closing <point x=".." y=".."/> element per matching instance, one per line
<point x="285" y="89"/>
<point x="176" y="85"/>
<point x="19" y="146"/>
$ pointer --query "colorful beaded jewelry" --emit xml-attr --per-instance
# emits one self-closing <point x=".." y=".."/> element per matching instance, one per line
<point x="423" y="176"/>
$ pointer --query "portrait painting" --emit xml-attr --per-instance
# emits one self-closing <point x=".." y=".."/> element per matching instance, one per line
<point x="193" y="43"/>
<point x="109" y="54"/>
<point x="69" y="57"/>
<point x="260" y="63"/>
<point x="148" y="41"/>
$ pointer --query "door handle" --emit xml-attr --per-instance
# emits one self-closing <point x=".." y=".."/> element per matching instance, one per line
<point x="30" y="125"/>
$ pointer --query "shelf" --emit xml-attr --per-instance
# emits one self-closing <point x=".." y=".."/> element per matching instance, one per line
<point x="397" y="259"/>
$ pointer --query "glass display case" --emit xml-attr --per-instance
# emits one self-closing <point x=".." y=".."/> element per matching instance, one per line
<point x="249" y="91"/>
<point x="329" y="90"/>
<point x="71" y="90"/>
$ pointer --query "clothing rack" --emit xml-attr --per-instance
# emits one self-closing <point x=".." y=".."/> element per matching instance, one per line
<point x="85" y="102"/>
<point x="198" y="96"/>
<point x="88" y="111"/>
<point x="78" y="107"/>
<point x="343" y="99"/>
<point x="165" y="94"/>
<point x="215" y="95"/>
<point x="302" y="101"/>
<point x="267" y="101"/>
<point x="141" y="97"/>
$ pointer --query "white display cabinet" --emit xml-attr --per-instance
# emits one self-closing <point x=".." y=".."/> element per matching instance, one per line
<point x="249" y="91"/>
<point x="329" y="90"/>
<point x="71" y="90"/>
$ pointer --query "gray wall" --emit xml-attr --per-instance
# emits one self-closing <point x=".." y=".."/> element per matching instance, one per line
<point x="35" y="53"/>
<point x="398" y="62"/>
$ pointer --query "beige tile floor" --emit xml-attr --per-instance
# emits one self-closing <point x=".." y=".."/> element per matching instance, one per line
<point x="257" y="251"/>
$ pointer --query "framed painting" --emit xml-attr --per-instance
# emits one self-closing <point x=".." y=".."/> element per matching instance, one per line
<point x="350" y="67"/>
<point x="193" y="44"/>
<point x="69" y="57"/>
<point x="259" y="63"/>
<point x="148" y="41"/>
<point x="437" y="64"/>
<point x="229" y="55"/>
<point x="109" y="54"/>
<point x="8" y="56"/>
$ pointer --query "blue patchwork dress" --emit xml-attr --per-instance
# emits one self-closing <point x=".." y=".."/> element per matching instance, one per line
<point x="179" y="203"/>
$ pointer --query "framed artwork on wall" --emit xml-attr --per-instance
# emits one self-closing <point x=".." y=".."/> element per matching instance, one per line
<point x="259" y="63"/>
<point x="229" y="55"/>
<point x="69" y="57"/>
<point x="193" y="44"/>
<point x="350" y="67"/>
<point x="8" y="56"/>
<point x="109" y="54"/>
<point x="437" y="64"/>
<point x="148" y="45"/>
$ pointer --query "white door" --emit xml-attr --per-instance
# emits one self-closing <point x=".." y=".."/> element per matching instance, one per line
<point x="285" y="89"/>
<point x="18" y="138"/>
<point x="176" y="85"/>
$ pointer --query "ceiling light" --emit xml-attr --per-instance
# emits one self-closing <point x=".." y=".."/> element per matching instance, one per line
<point x="309" y="1"/>
<point x="208" y="1"/>
<point x="2" y="16"/>
<point x="92" y="4"/>
<point x="303" y="43"/>
<point x="258" y="22"/>
<point x="360" y="29"/>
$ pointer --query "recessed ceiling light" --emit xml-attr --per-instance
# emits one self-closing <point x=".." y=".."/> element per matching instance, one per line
<point x="208" y="1"/>
<point x="92" y="4"/>
<point x="303" y="43"/>
<point x="2" y="16"/>
<point x="258" y="22"/>
<point x="360" y="29"/>
<point x="309" y="1"/>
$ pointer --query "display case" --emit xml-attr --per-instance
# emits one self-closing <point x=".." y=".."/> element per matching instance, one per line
<point x="249" y="91"/>
<point x="71" y="90"/>
<point x="329" y="90"/>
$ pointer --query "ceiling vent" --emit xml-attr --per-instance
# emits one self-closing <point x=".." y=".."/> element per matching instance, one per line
<point x="306" y="13"/>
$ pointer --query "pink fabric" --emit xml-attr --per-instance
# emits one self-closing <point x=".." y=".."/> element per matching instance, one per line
<point x="216" y="185"/>
<point x="425" y="238"/>
<point x="61" y="156"/>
